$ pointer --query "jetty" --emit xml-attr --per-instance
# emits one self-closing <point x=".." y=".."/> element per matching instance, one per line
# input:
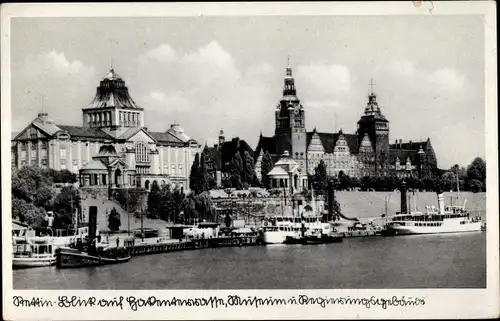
<point x="170" y="245"/>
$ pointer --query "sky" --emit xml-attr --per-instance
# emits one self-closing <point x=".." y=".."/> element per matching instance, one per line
<point x="213" y="73"/>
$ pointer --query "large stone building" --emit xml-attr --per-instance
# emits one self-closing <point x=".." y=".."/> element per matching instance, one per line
<point x="137" y="157"/>
<point x="218" y="158"/>
<point x="364" y="153"/>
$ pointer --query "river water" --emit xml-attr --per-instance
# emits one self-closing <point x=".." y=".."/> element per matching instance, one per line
<point x="419" y="261"/>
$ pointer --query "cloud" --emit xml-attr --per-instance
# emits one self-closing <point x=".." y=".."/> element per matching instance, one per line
<point x="206" y="86"/>
<point x="56" y="79"/>
<point x="447" y="79"/>
<point x="62" y="65"/>
<point x="163" y="53"/>
<point x="323" y="79"/>
<point x="403" y="67"/>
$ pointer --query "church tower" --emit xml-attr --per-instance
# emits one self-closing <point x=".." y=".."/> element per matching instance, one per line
<point x="290" y="129"/>
<point x="376" y="126"/>
<point x="112" y="109"/>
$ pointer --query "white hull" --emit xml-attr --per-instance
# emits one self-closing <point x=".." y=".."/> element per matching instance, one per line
<point x="33" y="262"/>
<point x="277" y="237"/>
<point x="408" y="230"/>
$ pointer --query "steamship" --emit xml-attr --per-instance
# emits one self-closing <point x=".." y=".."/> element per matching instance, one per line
<point x="444" y="219"/>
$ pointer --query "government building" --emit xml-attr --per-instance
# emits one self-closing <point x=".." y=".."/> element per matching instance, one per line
<point x="113" y="148"/>
<point x="364" y="153"/>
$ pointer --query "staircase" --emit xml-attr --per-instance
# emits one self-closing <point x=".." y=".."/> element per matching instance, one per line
<point x="104" y="207"/>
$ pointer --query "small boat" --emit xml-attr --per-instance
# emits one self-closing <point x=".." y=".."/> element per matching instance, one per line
<point x="30" y="255"/>
<point x="72" y="258"/>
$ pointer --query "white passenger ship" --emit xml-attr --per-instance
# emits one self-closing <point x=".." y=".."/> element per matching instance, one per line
<point x="292" y="226"/>
<point x="445" y="219"/>
<point x="29" y="250"/>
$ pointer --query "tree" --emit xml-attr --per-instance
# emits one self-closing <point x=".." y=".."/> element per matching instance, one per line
<point x="154" y="200"/>
<point x="320" y="178"/>
<point x="204" y="184"/>
<point x="66" y="205"/>
<point x="204" y="206"/>
<point x="476" y="175"/>
<point x="194" y="176"/>
<point x="189" y="208"/>
<point x="248" y="169"/>
<point x="114" y="220"/>
<point x="265" y="167"/>
<point x="235" y="170"/>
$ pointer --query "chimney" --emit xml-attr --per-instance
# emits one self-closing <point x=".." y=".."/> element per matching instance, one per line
<point x="441" y="203"/>
<point x="222" y="139"/>
<point x="404" y="207"/>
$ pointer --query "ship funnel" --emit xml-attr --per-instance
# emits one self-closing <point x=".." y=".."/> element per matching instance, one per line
<point x="330" y="200"/>
<point x="404" y="207"/>
<point x="441" y="203"/>
<point x="92" y="222"/>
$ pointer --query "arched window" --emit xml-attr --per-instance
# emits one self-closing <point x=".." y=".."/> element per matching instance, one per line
<point x="141" y="153"/>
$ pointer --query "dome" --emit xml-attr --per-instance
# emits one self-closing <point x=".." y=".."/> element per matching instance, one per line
<point x="107" y="150"/>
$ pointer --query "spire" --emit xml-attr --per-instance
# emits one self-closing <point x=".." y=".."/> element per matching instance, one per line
<point x="288" y="68"/>
<point x="372" y="83"/>
<point x="289" y="86"/>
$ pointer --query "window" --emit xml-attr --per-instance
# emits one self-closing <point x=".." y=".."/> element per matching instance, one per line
<point x="33" y="133"/>
<point x="180" y="169"/>
<point x="173" y="169"/>
<point x="63" y="166"/>
<point x="23" y="154"/>
<point x="44" y="154"/>
<point x="62" y="153"/>
<point x="141" y="153"/>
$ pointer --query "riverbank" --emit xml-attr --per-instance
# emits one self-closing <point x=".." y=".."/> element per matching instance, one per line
<point x="419" y="261"/>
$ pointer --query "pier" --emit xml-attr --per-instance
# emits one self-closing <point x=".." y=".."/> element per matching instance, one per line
<point x="169" y="245"/>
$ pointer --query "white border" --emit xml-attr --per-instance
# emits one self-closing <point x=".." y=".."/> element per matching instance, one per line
<point x="440" y="303"/>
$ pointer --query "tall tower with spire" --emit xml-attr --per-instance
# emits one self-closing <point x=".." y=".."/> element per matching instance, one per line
<point x="374" y="123"/>
<point x="290" y="129"/>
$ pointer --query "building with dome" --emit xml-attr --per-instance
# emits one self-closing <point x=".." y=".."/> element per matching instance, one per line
<point x="287" y="174"/>
<point x="367" y="152"/>
<point x="113" y="137"/>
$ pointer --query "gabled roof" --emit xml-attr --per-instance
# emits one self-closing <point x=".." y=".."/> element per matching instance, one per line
<point x="330" y="139"/>
<point x="266" y="144"/>
<point x="78" y="132"/>
<point x="229" y="149"/>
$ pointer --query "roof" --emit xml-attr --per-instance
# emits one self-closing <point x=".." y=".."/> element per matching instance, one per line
<point x="94" y="165"/>
<point x="167" y="137"/>
<point x="277" y="171"/>
<point x="267" y="144"/>
<point x="84" y="132"/>
<point x="178" y="132"/>
<point x="44" y="123"/>
<point x="106" y="151"/>
<point x="215" y="155"/>
<point x="112" y="92"/>
<point x="330" y="139"/>
<point x="409" y="145"/>
<point x="112" y="75"/>
<point x="229" y="149"/>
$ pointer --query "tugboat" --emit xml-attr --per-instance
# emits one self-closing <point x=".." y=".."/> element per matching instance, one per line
<point x="90" y="252"/>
